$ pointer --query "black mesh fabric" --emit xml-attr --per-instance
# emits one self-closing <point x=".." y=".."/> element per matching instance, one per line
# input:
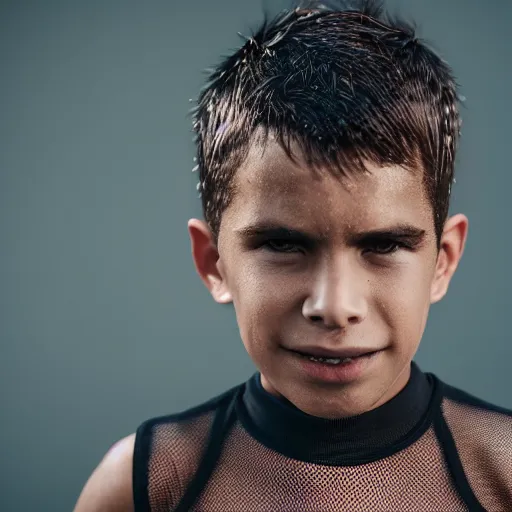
<point x="431" y="448"/>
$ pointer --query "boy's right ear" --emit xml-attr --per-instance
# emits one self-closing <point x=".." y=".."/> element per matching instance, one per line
<point x="206" y="260"/>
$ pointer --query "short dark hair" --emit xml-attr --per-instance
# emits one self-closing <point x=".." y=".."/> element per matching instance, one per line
<point x="344" y="81"/>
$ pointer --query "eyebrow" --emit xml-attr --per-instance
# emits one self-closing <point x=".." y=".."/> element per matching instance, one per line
<point x="400" y="231"/>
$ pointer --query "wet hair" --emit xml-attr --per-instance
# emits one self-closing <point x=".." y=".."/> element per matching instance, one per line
<point x="344" y="82"/>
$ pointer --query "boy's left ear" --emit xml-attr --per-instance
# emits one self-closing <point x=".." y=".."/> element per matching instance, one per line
<point x="453" y="241"/>
<point x="207" y="262"/>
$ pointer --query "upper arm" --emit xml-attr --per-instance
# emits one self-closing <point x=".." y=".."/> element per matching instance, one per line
<point x="109" y="488"/>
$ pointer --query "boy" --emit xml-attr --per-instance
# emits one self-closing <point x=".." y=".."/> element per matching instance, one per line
<point x="326" y="149"/>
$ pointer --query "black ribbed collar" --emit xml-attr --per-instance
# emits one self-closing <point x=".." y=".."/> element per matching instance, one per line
<point x="375" y="434"/>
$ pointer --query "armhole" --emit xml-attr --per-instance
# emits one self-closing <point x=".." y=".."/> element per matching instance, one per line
<point x="141" y="452"/>
<point x="144" y="439"/>
<point x="451" y="455"/>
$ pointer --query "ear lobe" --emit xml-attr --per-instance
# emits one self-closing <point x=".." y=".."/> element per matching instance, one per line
<point x="453" y="241"/>
<point x="207" y="262"/>
<point x="439" y="286"/>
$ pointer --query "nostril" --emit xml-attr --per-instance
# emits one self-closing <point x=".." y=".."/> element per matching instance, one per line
<point x="315" y="318"/>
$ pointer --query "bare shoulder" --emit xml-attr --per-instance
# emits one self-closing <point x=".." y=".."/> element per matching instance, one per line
<point x="109" y="488"/>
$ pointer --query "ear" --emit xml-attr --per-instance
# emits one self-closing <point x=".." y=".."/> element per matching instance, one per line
<point x="453" y="241"/>
<point x="206" y="260"/>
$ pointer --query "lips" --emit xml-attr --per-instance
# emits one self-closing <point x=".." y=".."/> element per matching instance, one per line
<point x="334" y="354"/>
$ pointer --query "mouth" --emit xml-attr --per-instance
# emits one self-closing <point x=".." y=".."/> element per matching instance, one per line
<point x="334" y="358"/>
<point x="336" y="370"/>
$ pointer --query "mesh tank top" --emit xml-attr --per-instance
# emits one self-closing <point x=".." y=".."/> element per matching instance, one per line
<point x="432" y="447"/>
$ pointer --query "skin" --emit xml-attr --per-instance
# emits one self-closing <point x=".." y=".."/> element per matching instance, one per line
<point x="329" y="287"/>
<point x="109" y="488"/>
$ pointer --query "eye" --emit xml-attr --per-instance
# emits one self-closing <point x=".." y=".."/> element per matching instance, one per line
<point x="279" y="245"/>
<point x="385" y="246"/>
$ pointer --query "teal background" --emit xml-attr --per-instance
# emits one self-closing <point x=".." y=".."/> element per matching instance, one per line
<point x="103" y="321"/>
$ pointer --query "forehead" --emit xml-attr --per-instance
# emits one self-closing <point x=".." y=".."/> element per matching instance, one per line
<point x="269" y="184"/>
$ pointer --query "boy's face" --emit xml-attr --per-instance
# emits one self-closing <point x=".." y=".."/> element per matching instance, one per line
<point x="330" y="285"/>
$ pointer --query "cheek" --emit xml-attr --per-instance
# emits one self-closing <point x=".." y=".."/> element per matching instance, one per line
<point x="261" y="301"/>
<point x="405" y="302"/>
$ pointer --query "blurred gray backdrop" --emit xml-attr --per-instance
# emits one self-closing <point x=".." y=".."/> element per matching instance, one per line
<point x="104" y="322"/>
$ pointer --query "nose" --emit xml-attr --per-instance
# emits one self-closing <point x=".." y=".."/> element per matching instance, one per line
<point x="337" y="297"/>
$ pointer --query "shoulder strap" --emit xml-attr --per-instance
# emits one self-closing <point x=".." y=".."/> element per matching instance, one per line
<point x="224" y="419"/>
<point x="451" y="456"/>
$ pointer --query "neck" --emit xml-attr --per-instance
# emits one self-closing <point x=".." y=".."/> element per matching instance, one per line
<point x="278" y="424"/>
